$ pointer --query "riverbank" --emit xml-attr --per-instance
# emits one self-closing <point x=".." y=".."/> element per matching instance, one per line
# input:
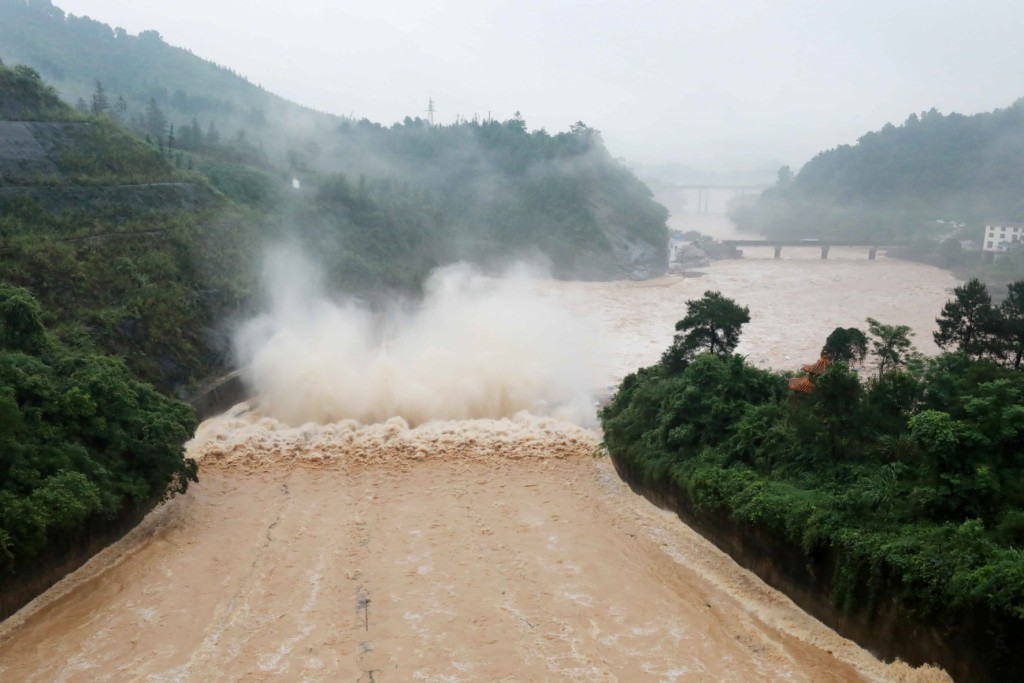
<point x="494" y="567"/>
<point x="216" y="583"/>
<point x="972" y="644"/>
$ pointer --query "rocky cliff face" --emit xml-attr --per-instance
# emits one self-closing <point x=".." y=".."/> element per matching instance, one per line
<point x="637" y="252"/>
<point x="636" y="258"/>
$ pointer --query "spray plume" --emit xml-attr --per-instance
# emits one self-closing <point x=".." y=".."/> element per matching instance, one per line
<point x="475" y="347"/>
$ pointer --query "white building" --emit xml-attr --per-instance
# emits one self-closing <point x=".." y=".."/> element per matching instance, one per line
<point x="1000" y="238"/>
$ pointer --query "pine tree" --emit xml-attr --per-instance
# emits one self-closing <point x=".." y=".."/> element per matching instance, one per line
<point x="195" y="135"/>
<point x="1012" y="324"/>
<point x="154" y="122"/>
<point x="967" y="320"/>
<point x="100" y="101"/>
<point x="212" y="135"/>
<point x="120" y="109"/>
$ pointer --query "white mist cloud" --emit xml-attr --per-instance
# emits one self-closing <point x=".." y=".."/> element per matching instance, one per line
<point x="715" y="84"/>
<point x="475" y="347"/>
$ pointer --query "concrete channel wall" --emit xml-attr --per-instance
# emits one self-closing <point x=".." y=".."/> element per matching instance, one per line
<point x="67" y="554"/>
<point x="971" y="645"/>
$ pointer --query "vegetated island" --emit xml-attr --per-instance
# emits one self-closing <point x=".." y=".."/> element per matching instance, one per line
<point x="886" y="498"/>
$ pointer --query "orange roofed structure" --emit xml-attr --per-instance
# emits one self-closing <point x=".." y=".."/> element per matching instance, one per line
<point x="805" y="384"/>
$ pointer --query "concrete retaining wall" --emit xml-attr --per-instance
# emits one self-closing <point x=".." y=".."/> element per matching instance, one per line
<point x="971" y="645"/>
<point x="67" y="554"/>
<point x="64" y="556"/>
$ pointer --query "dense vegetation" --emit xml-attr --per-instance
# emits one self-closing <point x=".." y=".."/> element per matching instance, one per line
<point x="144" y="274"/>
<point x="82" y="439"/>
<point x="896" y="182"/>
<point x="132" y="226"/>
<point x="498" y="191"/>
<point x="156" y="276"/>
<point x="485" y="191"/>
<point x="149" y="288"/>
<point x="135" y="71"/>
<point x="23" y="94"/>
<point x="935" y="181"/>
<point x="912" y="473"/>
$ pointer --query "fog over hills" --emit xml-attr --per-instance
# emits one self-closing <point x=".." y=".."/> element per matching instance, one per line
<point x="716" y="85"/>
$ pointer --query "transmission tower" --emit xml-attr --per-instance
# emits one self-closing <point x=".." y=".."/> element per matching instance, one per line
<point x="430" y="110"/>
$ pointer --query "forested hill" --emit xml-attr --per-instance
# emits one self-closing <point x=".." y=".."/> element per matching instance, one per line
<point x="126" y="254"/>
<point x="75" y="52"/>
<point x="898" y="181"/>
<point x="131" y="229"/>
<point x="486" y="191"/>
<point x="500" y="191"/>
<point x="96" y="289"/>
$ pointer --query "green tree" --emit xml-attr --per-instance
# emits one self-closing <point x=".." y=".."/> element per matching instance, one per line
<point x="21" y="320"/>
<point x="212" y="135"/>
<point x="891" y="345"/>
<point x="712" y="324"/>
<point x="82" y="440"/>
<point x="191" y="136"/>
<point x="154" y="122"/>
<point x="967" y="320"/>
<point x="836" y="400"/>
<point x="846" y="345"/>
<point x="958" y="483"/>
<point x="784" y="177"/>
<point x="1011" y="323"/>
<point x="100" y="101"/>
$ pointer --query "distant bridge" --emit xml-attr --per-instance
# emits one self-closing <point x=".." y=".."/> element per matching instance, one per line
<point x="704" y="190"/>
<point x="736" y="188"/>
<point x="824" y="245"/>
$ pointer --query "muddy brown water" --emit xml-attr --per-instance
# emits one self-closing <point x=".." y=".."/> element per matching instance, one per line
<point x="488" y="550"/>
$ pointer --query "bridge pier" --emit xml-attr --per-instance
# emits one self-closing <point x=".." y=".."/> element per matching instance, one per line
<point x="777" y="245"/>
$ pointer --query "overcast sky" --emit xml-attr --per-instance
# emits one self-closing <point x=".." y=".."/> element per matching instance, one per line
<point x="716" y="84"/>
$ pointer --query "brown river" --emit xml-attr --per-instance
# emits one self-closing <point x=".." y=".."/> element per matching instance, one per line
<point x="467" y="550"/>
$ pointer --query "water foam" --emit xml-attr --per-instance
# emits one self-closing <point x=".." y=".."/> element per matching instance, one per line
<point x="246" y="440"/>
<point x="475" y="347"/>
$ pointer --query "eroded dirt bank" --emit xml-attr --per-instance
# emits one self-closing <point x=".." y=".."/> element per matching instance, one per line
<point x="426" y="565"/>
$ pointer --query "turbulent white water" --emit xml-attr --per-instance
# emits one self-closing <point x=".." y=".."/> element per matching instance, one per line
<point x="355" y="526"/>
<point x="476" y="348"/>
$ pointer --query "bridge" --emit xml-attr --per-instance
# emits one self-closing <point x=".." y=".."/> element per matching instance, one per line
<point x="703" y="191"/>
<point x="824" y="245"/>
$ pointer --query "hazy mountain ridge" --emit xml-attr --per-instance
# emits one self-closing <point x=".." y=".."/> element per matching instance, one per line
<point x="74" y="52"/>
<point x="112" y="239"/>
<point x="95" y="292"/>
<point x="494" y="188"/>
<point x="897" y="182"/>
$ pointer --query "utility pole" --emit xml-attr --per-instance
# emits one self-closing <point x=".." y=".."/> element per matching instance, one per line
<point x="430" y="110"/>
